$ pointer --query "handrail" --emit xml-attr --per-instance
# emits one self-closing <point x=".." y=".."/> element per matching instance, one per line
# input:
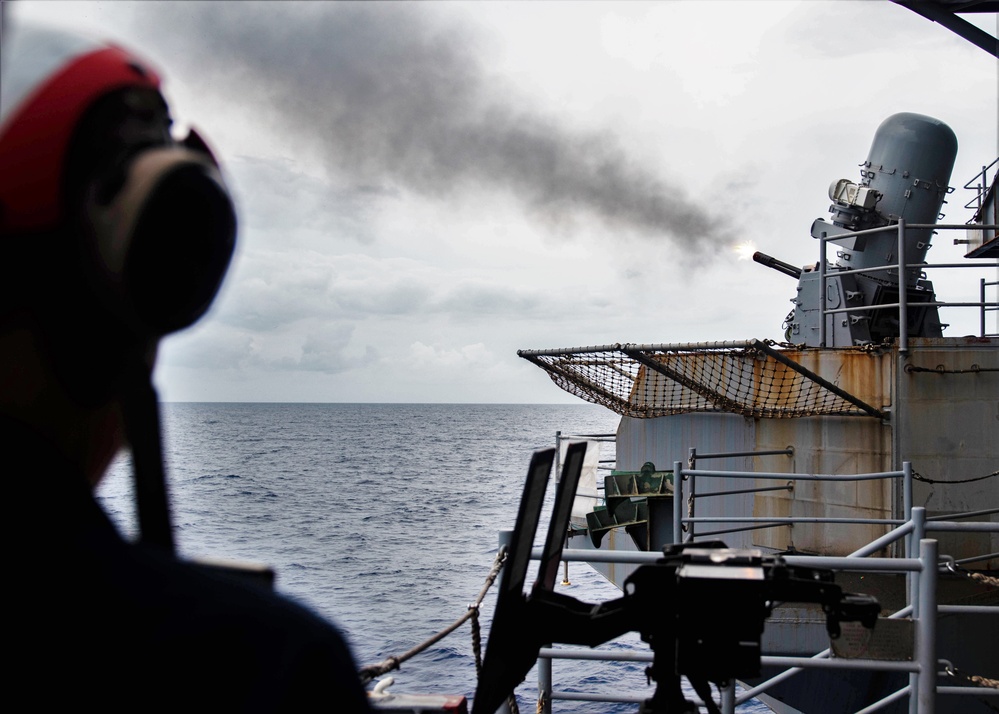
<point x="923" y="668"/>
<point x="920" y="564"/>
<point x="981" y="188"/>
<point x="681" y="474"/>
<point x="901" y="265"/>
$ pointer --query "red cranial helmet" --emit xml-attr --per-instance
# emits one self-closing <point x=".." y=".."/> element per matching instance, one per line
<point x="85" y="147"/>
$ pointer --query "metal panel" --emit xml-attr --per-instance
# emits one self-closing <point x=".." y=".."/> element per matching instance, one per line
<point x="949" y="430"/>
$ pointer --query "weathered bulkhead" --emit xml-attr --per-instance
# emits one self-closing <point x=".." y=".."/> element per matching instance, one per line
<point x="940" y="414"/>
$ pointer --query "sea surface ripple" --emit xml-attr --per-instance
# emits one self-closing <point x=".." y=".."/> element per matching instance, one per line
<point x="382" y="517"/>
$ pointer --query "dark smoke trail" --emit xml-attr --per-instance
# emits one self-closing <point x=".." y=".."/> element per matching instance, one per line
<point x="394" y="94"/>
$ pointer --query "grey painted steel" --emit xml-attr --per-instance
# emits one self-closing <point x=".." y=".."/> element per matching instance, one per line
<point x="678" y="479"/>
<point x="744" y="529"/>
<point x="903" y="304"/>
<point x="709" y="494"/>
<point x="776" y="679"/>
<point x="882" y="703"/>
<point x="945" y="14"/>
<point x="603" y="556"/>
<point x="504" y="540"/>
<point x="545" y="684"/>
<point x="907" y="498"/>
<point x="985" y="556"/>
<point x="922" y="670"/>
<point x="728" y="698"/>
<point x="621" y="346"/>
<point x="979" y="526"/>
<point x="903" y="182"/>
<point x="789" y="451"/>
<point x="887" y="539"/>
<point x="921" y="266"/>
<point x="968" y="609"/>
<point x="823" y="298"/>
<point x="882" y="565"/>
<point x="692" y="502"/>
<point x="594" y="654"/>
<point x="900" y="266"/>
<point x="796" y="519"/>
<point x="909" y="163"/>
<point x="972" y="691"/>
<point x="968" y="514"/>
<point x="874" y="565"/>
<point x="865" y="664"/>
<point x="794" y="476"/>
<point x="585" y="697"/>
<point x="926" y="627"/>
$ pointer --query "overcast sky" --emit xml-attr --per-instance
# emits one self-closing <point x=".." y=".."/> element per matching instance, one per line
<point x="425" y="188"/>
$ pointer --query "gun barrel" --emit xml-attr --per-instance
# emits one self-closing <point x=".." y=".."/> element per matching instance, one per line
<point x="779" y="265"/>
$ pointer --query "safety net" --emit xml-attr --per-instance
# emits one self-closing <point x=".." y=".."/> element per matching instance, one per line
<point x="751" y="378"/>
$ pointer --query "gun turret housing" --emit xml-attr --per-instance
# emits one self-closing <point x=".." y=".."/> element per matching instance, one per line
<point x="905" y="177"/>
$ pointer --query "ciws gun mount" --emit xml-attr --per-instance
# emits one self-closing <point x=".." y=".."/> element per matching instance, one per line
<point x="701" y="607"/>
<point x="905" y="177"/>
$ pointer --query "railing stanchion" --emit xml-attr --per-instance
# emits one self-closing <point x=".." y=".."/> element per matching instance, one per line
<point x="545" y="684"/>
<point x="903" y="292"/>
<point x="981" y="299"/>
<point x="678" y="502"/>
<point x="913" y="580"/>
<point x="907" y="503"/>
<point x="822" y="289"/>
<point x="728" y="697"/>
<point x="558" y="455"/>
<point x="926" y="627"/>
<point x="692" y="509"/>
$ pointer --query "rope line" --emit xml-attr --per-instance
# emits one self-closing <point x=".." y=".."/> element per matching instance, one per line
<point x="369" y="672"/>
<point x="973" y="575"/>
<point x="974" y="369"/>
<point x="973" y="678"/>
<point x="512" y="703"/>
<point x="920" y="477"/>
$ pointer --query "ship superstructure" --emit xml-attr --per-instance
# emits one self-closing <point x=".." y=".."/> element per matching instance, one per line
<point x="866" y="382"/>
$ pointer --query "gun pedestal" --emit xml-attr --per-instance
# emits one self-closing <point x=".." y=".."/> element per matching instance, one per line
<point x="701" y="608"/>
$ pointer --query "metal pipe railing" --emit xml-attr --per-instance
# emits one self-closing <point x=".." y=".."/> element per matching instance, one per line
<point x="789" y="487"/>
<point x="681" y="474"/>
<point x="901" y="266"/>
<point x="922" y="571"/>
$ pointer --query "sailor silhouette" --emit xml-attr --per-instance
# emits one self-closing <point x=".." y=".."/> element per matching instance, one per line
<point x="115" y="234"/>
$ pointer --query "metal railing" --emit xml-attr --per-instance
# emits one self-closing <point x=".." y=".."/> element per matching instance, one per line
<point x="901" y="266"/>
<point x="681" y="474"/>
<point x="921" y="564"/>
<point x="601" y="438"/>
<point x="980" y="183"/>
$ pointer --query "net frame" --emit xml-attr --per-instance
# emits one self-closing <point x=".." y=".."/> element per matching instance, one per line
<point x="751" y="378"/>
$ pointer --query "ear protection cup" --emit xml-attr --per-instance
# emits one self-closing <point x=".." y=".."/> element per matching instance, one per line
<point x="88" y="169"/>
<point x="165" y="239"/>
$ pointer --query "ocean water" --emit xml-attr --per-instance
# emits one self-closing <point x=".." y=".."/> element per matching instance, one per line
<point x="382" y="517"/>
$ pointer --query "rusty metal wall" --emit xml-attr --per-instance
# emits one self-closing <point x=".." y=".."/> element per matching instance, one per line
<point x="949" y="429"/>
<point x="947" y="425"/>
<point x="822" y="445"/>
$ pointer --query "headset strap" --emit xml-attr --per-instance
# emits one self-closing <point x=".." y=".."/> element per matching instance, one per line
<point x="142" y="427"/>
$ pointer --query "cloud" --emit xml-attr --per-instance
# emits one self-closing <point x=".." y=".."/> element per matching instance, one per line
<point x="326" y="352"/>
<point x="395" y="96"/>
<point x="437" y="357"/>
<point x="484" y="299"/>
<point x="278" y="198"/>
